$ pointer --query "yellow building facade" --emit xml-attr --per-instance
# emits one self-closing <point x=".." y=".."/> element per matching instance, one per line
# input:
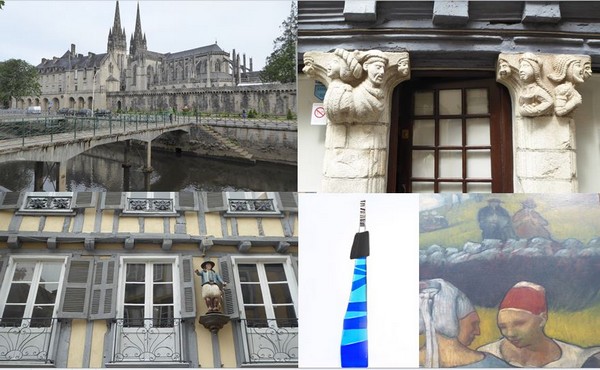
<point x="112" y="279"/>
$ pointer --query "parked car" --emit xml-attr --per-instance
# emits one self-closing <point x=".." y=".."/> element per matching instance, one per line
<point x="71" y="112"/>
<point x="34" y="110"/>
<point x="103" y="113"/>
<point x="84" y="113"/>
<point x="63" y="111"/>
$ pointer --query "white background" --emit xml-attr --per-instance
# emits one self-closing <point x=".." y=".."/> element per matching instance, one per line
<point x="327" y="226"/>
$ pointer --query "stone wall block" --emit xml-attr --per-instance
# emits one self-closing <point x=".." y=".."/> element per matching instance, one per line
<point x="347" y="163"/>
<point x="549" y="186"/>
<point x="545" y="165"/>
<point x="545" y="132"/>
<point x="367" y="136"/>
<point x="344" y="185"/>
<point x="335" y="137"/>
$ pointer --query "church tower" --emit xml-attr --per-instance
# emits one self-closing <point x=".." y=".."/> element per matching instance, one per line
<point x="138" y="40"/>
<point x="117" y="46"/>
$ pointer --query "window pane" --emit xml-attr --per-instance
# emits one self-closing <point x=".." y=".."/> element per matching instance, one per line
<point x="424" y="132"/>
<point x="275" y="272"/>
<point x="450" y="102"/>
<point x="286" y="316"/>
<point x="478" y="131"/>
<point x="163" y="293"/>
<point x="422" y="187"/>
<point x="450" y="187"/>
<point x="46" y="293"/>
<point x="280" y="293"/>
<point x="248" y="273"/>
<point x="135" y="293"/>
<point x="251" y="293"/>
<point x="477" y="101"/>
<point x="18" y="293"/>
<point x="41" y="316"/>
<point x="133" y="315"/>
<point x="163" y="272"/>
<point x="479" y="187"/>
<point x="51" y="272"/>
<point x="451" y="132"/>
<point x="479" y="164"/>
<point x="163" y="316"/>
<point x="24" y="271"/>
<point x="424" y="103"/>
<point x="451" y="163"/>
<point x="13" y="312"/>
<point x="422" y="163"/>
<point x="256" y="316"/>
<point x="136" y="272"/>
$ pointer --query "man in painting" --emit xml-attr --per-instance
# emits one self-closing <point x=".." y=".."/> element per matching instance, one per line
<point x="522" y="317"/>
<point x="495" y="222"/>
<point x="450" y="323"/>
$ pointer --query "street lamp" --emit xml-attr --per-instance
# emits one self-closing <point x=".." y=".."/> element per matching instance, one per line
<point x="93" y="89"/>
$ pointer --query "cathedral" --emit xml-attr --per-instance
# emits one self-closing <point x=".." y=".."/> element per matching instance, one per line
<point x="138" y="79"/>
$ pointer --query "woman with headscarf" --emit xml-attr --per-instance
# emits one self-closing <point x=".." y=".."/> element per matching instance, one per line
<point x="534" y="99"/>
<point x="442" y="308"/>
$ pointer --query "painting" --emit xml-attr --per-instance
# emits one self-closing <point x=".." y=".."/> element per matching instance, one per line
<point x="509" y="280"/>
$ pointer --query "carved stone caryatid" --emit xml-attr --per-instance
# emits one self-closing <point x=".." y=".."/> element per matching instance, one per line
<point x="543" y="87"/>
<point x="359" y="89"/>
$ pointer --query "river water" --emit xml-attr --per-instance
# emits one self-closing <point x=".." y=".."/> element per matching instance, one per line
<point x="100" y="170"/>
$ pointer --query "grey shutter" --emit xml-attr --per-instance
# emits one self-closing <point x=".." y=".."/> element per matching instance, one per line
<point x="76" y="289"/>
<point x="295" y="266"/>
<point x="112" y="200"/>
<point x="188" y="296"/>
<point x="287" y="202"/>
<point x="186" y="201"/>
<point x="104" y="290"/>
<point x="11" y="200"/>
<point x="86" y="199"/>
<point x="3" y="264"/>
<point x="229" y="292"/>
<point x="216" y="202"/>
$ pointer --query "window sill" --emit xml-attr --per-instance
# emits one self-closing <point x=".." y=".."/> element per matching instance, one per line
<point x="25" y="364"/>
<point x="130" y="364"/>
<point x="254" y="214"/>
<point x="271" y="364"/>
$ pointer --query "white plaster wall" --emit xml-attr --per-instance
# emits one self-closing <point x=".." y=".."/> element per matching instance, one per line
<point x="587" y="136"/>
<point x="311" y="139"/>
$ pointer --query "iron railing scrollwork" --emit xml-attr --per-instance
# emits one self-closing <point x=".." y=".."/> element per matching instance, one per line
<point x="252" y="206"/>
<point x="148" y="340"/>
<point x="271" y="340"/>
<point x="26" y="339"/>
<point x="37" y="203"/>
<point x="150" y="205"/>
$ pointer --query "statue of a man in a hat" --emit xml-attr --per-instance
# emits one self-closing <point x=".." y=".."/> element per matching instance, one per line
<point x="211" y="286"/>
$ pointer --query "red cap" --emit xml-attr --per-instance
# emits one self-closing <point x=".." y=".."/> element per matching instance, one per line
<point x="525" y="296"/>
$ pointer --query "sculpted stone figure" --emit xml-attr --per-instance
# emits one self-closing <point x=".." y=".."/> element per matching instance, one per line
<point x="504" y="69"/>
<point x="534" y="99"/>
<point x="339" y="100"/>
<point x="369" y="97"/>
<point x="567" y="98"/>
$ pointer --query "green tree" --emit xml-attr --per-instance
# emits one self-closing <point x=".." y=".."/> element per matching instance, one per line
<point x="281" y="64"/>
<point x="1" y="3"/>
<point x="17" y="79"/>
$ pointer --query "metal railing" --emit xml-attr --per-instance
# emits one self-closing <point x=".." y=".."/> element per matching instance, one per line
<point x="25" y="339"/>
<point x="148" y="340"/>
<point x="271" y="341"/>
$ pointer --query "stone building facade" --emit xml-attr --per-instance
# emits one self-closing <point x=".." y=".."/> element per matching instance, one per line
<point x="449" y="96"/>
<point x="87" y="81"/>
<point x="92" y="280"/>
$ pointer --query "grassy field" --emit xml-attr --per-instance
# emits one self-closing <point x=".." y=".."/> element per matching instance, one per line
<point x="569" y="216"/>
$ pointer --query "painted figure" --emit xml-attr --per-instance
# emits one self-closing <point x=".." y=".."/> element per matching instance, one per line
<point x="522" y="316"/>
<point x="528" y="223"/>
<point x="495" y="222"/>
<point x="211" y="286"/>
<point x="567" y="98"/>
<point x="444" y="313"/>
<point x="534" y="99"/>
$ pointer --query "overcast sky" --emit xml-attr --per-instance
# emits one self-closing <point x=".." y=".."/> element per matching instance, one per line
<point x="32" y="30"/>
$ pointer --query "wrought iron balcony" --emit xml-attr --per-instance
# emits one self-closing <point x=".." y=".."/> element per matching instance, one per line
<point x="251" y="206"/>
<point x="271" y="341"/>
<point x="27" y="340"/>
<point x="148" y="340"/>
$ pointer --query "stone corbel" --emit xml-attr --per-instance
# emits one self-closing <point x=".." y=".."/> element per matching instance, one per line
<point x="359" y="83"/>
<point x="543" y="84"/>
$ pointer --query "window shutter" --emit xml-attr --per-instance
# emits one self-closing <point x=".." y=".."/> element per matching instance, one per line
<point x="229" y="292"/>
<point x="76" y="289"/>
<point x="104" y="290"/>
<point x="287" y="202"/>
<point x="86" y="199"/>
<point x="186" y="201"/>
<point x="188" y="297"/>
<point x="295" y="266"/>
<point x="3" y="261"/>
<point x="112" y="200"/>
<point x="216" y="202"/>
<point x="11" y="200"/>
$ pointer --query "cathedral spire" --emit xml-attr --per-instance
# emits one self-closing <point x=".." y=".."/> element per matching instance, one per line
<point x="116" y="36"/>
<point x="117" y="22"/>
<point x="138" y="42"/>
